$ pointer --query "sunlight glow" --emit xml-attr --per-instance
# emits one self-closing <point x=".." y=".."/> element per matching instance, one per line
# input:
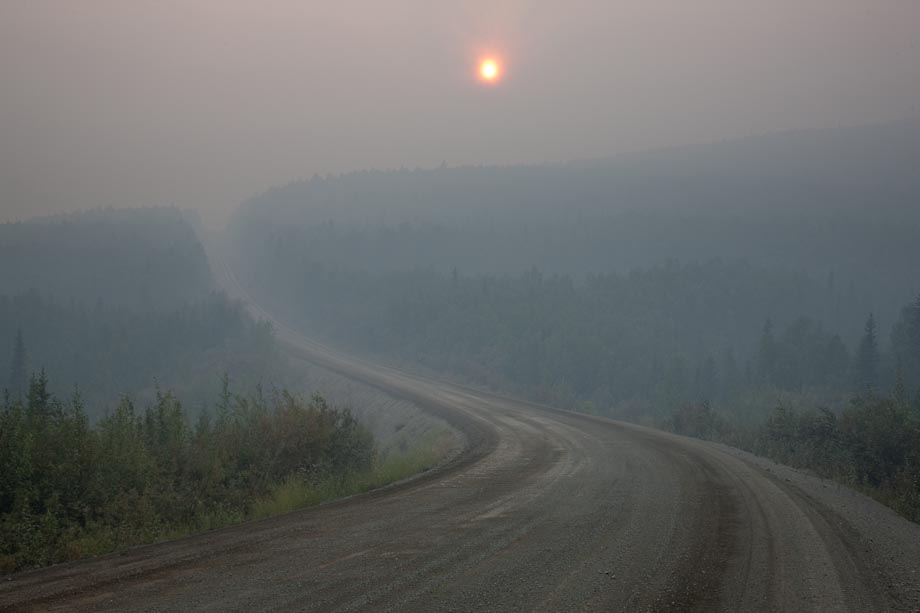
<point x="489" y="70"/>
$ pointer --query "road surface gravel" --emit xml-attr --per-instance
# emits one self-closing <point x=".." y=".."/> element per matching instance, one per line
<point x="542" y="510"/>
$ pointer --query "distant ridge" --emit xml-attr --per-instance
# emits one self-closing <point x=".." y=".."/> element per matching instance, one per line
<point x="838" y="203"/>
<point x="855" y="170"/>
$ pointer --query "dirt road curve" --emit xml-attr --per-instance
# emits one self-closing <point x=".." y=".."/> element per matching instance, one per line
<point x="546" y="511"/>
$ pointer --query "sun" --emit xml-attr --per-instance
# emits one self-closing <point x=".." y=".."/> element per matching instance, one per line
<point x="489" y="70"/>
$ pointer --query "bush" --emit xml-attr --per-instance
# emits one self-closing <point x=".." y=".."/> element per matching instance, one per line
<point x="69" y="489"/>
<point x="873" y="445"/>
<point x="697" y="420"/>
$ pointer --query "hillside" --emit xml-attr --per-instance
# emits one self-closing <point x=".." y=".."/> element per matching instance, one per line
<point x="145" y="259"/>
<point x="839" y="206"/>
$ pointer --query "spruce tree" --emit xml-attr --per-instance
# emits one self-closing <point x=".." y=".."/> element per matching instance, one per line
<point x="224" y="400"/>
<point x="40" y="400"/>
<point x="19" y="367"/>
<point x="867" y="358"/>
<point x="913" y="330"/>
<point x="900" y="395"/>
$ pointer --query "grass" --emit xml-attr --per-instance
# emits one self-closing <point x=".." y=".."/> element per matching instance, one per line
<point x="398" y="464"/>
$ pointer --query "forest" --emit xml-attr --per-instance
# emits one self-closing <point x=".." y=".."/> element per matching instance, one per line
<point x="838" y="204"/>
<point x="110" y="351"/>
<point x="116" y="302"/>
<point x="628" y="345"/>
<point x="144" y="259"/>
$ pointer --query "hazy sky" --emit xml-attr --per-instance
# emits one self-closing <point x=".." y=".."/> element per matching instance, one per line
<point x="201" y="104"/>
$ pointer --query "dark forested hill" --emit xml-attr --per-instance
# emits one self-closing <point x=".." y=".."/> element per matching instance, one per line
<point x="119" y="302"/>
<point x="108" y="351"/>
<point x="655" y="278"/>
<point x="140" y="258"/>
<point x="840" y="206"/>
<point x="802" y="174"/>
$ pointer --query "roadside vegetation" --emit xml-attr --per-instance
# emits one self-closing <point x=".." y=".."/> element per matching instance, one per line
<point x="872" y="445"/>
<point x="71" y="488"/>
<point x="389" y="466"/>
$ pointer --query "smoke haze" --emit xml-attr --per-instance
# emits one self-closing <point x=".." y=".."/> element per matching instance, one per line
<point x="201" y="104"/>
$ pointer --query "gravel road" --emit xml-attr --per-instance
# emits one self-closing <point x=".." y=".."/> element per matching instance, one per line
<point x="541" y="510"/>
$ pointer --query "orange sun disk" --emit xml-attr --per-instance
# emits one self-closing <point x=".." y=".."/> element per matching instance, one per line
<point x="489" y="70"/>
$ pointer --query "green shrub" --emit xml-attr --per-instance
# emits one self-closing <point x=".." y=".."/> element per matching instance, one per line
<point x="69" y="489"/>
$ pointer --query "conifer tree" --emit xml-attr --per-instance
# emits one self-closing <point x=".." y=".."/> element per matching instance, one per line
<point x="900" y="395"/>
<point x="867" y="358"/>
<point x="19" y="367"/>
<point x="224" y="399"/>
<point x="913" y="330"/>
<point x="40" y="401"/>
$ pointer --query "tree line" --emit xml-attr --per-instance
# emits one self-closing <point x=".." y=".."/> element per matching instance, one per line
<point x="625" y="344"/>
<point x="110" y="351"/>
<point x="145" y="259"/>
